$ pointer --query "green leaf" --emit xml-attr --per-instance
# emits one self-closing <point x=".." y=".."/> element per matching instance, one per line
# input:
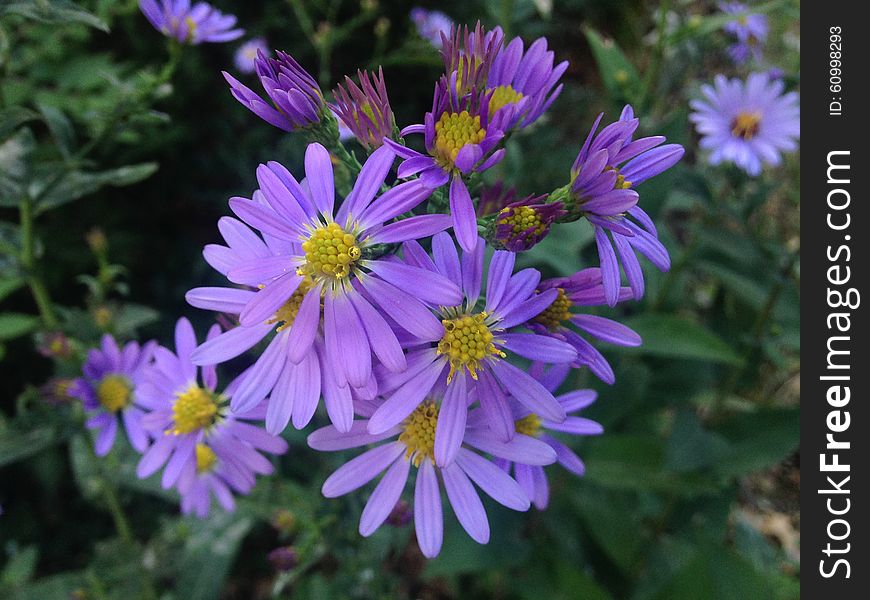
<point x="17" y="444"/>
<point x="758" y="440"/>
<point x="133" y="316"/>
<point x="717" y="574"/>
<point x="19" y="568"/>
<point x="619" y="76"/>
<point x="60" y="127"/>
<point x="52" y="11"/>
<point x="14" y="116"/>
<point x="209" y="553"/>
<point x="13" y="325"/>
<point x="9" y="286"/>
<point x="691" y="447"/>
<point x="676" y="337"/>
<point x="77" y="184"/>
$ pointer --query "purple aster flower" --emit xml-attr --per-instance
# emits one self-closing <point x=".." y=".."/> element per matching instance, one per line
<point x="57" y="391"/>
<point x="204" y="446"/>
<point x="54" y="344"/>
<point x="531" y="477"/>
<point x="471" y="55"/>
<point x="460" y="139"/>
<point x="110" y="389"/>
<point x="609" y="165"/>
<point x="297" y="102"/>
<point x="188" y="24"/>
<point x="749" y="123"/>
<point x="412" y="442"/>
<point x="584" y="288"/>
<point x="750" y="30"/>
<point x="469" y="347"/>
<point x="365" y="110"/>
<point x="284" y="558"/>
<point x="431" y="24"/>
<point x="246" y="56"/>
<point x="522" y="224"/>
<point x="318" y="261"/>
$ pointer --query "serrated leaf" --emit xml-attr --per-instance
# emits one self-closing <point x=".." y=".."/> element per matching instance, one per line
<point x="13" y="117"/>
<point x="13" y="325"/>
<point x="676" y="337"/>
<point x="619" y="76"/>
<point x="77" y="184"/>
<point x="60" y="127"/>
<point x="53" y="11"/>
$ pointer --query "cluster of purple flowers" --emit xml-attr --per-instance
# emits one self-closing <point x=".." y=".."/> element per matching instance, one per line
<point x="442" y="361"/>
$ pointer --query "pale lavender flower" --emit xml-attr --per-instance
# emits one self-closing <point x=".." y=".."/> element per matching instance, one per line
<point x="190" y="24"/>
<point x="608" y="166"/>
<point x="750" y="123"/>
<point x="297" y="102"/>
<point x="411" y="442"/>
<point x="750" y="31"/>
<point x="317" y="262"/>
<point x="531" y="477"/>
<point x="431" y="24"/>
<point x="110" y="390"/>
<point x="460" y="139"/>
<point x="469" y="347"/>
<point x="245" y="58"/>
<point x="204" y="447"/>
<point x="584" y="288"/>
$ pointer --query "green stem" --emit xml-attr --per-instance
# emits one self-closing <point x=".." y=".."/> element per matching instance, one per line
<point x="28" y="261"/>
<point x="658" y="54"/>
<point x="674" y="272"/>
<point x="759" y="327"/>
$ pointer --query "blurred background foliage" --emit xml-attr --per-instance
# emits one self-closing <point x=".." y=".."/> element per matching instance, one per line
<point x="116" y="164"/>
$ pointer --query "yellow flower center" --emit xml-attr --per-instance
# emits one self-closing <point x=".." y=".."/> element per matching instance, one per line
<point x="528" y="425"/>
<point x="191" y="26"/>
<point x="502" y="96"/>
<point x="419" y="433"/>
<point x="286" y="315"/>
<point x="193" y="410"/>
<point x="114" y="392"/>
<point x="746" y="125"/>
<point x="557" y="312"/>
<point x="330" y="252"/>
<point x="453" y="131"/>
<point x="467" y="340"/>
<point x="523" y="219"/>
<point x="205" y="458"/>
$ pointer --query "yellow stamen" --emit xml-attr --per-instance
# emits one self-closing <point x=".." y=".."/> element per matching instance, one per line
<point x="501" y="97"/>
<point x="558" y="312"/>
<point x="205" y="458"/>
<point x="466" y="342"/>
<point x="453" y="131"/>
<point x="114" y="392"/>
<point x="330" y="252"/>
<point x="191" y="27"/>
<point x="528" y="425"/>
<point x="746" y="125"/>
<point x="286" y="315"/>
<point x="419" y="433"/>
<point x="522" y="220"/>
<point x="193" y="410"/>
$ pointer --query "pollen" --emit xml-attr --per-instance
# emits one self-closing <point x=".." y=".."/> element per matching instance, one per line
<point x="558" y="312"/>
<point x="205" y="458"/>
<point x="286" y="315"/>
<point x="114" y="392"/>
<point x="528" y="425"/>
<point x="419" y="433"/>
<point x="467" y="341"/>
<point x="523" y="220"/>
<point x="502" y="96"/>
<point x="194" y="409"/>
<point x="191" y="26"/>
<point x="330" y="252"/>
<point x="746" y="124"/>
<point x="453" y="131"/>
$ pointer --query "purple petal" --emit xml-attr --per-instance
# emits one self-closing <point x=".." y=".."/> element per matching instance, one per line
<point x="538" y="347"/>
<point x="330" y="439"/>
<point x="522" y="448"/>
<point x="464" y="216"/>
<point x="450" y="428"/>
<point x="466" y="503"/>
<point x="528" y="392"/>
<point x="362" y="469"/>
<point x="428" y="519"/>
<point x="230" y="344"/>
<point x="269" y="299"/>
<point x="413" y="228"/>
<point x="384" y="497"/>
<point x="318" y="174"/>
<point x="427" y="286"/>
<point x="495" y="407"/>
<point x="218" y="299"/>
<point x="497" y="484"/>
<point x="405" y="399"/>
<point x="381" y="337"/>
